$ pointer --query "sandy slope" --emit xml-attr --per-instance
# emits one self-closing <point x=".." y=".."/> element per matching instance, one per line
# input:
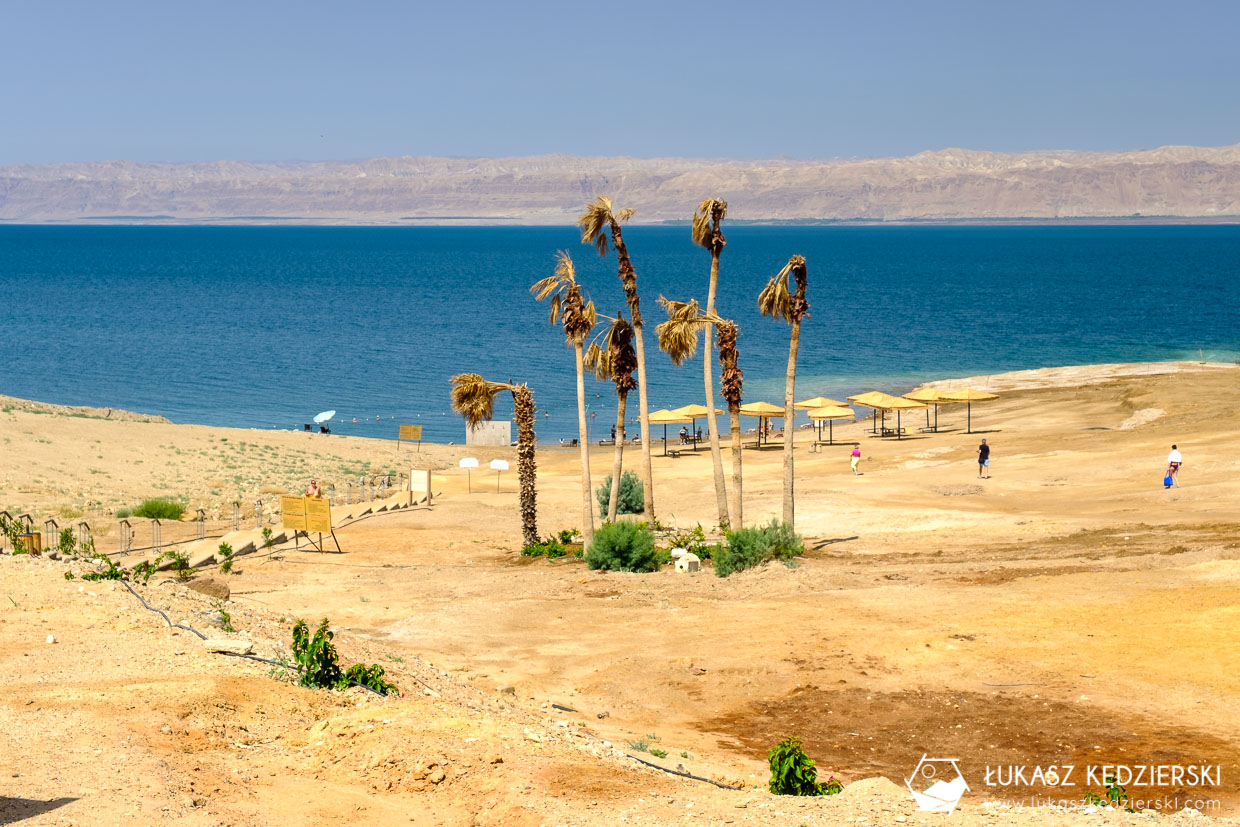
<point x="1066" y="610"/>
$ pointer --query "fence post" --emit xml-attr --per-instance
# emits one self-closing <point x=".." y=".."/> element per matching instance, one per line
<point x="83" y="534"/>
<point x="236" y="515"/>
<point x="51" y="534"/>
<point x="126" y="536"/>
<point x="5" y="519"/>
<point x="200" y="517"/>
<point x="156" y="535"/>
<point x="258" y="513"/>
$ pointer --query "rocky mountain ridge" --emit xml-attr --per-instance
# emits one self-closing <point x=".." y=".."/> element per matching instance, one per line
<point x="948" y="184"/>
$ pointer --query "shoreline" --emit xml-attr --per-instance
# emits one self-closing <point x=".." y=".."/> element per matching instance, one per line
<point x="1042" y="378"/>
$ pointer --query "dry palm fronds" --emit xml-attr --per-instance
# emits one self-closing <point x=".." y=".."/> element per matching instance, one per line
<point x="678" y="336"/>
<point x="474" y="397"/>
<point x="706" y="220"/>
<point x="527" y="468"/>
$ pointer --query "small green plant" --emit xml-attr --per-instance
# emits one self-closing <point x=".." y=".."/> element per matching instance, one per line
<point x="630" y="500"/>
<point x="793" y="772"/>
<point x="566" y="535"/>
<point x="105" y="569"/>
<point x="658" y="753"/>
<point x="318" y="665"/>
<point x="693" y="541"/>
<point x="267" y="541"/>
<point x="640" y="745"/>
<point x="143" y="570"/>
<point x="68" y="575"/>
<point x="395" y="658"/>
<point x="623" y="547"/>
<point x="122" y="513"/>
<point x="226" y="552"/>
<point x="550" y="547"/>
<point x="159" y="508"/>
<point x="225" y="617"/>
<point x="751" y="547"/>
<point x="180" y="563"/>
<point x="66" y="546"/>
<point x="1116" y="795"/>
<point x="687" y="755"/>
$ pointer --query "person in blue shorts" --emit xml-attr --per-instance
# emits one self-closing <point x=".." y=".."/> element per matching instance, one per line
<point x="983" y="460"/>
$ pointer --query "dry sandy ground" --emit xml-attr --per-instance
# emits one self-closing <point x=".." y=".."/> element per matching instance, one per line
<point x="1067" y="610"/>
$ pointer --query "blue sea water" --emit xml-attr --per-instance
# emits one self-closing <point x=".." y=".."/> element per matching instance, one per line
<point x="266" y="326"/>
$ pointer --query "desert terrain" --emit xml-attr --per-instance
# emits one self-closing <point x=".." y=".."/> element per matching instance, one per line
<point x="1066" y="610"/>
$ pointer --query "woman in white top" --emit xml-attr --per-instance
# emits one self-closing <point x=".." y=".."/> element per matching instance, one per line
<point x="1174" y="460"/>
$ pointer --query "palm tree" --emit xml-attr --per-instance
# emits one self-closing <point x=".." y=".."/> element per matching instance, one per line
<point x="678" y="339"/>
<point x="615" y="360"/>
<point x="474" y="399"/>
<point x="596" y="223"/>
<point x="706" y="233"/>
<point x="777" y="302"/>
<point x="577" y="317"/>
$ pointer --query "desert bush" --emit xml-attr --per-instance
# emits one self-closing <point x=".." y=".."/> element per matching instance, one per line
<point x="793" y="772"/>
<point x="623" y="546"/>
<point x="750" y="547"/>
<point x="318" y="664"/>
<point x="159" y="508"/>
<point x="694" y="542"/>
<point x="226" y="552"/>
<point x="631" y="498"/>
<point x="180" y="563"/>
<point x="551" y="547"/>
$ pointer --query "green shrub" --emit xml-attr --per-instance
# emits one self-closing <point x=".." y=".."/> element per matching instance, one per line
<point x="179" y="563"/>
<point x="318" y="665"/>
<point x="631" y="498"/>
<point x="66" y="544"/>
<point x="566" y="535"/>
<point x="793" y="772"/>
<point x="159" y="508"/>
<point x="623" y="547"/>
<point x="370" y="676"/>
<point x="750" y="547"/>
<point x="122" y="513"/>
<point x="226" y="551"/>
<point x="694" y="542"/>
<point x="550" y="547"/>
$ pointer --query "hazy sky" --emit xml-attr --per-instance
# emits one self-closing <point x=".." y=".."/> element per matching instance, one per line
<point x="180" y="81"/>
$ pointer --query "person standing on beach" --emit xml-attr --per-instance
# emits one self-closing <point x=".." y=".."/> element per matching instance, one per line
<point x="983" y="460"/>
<point x="856" y="458"/>
<point x="1174" y="460"/>
<point x="312" y="490"/>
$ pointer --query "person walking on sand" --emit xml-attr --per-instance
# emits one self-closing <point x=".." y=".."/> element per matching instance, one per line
<point x="856" y="458"/>
<point x="983" y="460"/>
<point x="1174" y="460"/>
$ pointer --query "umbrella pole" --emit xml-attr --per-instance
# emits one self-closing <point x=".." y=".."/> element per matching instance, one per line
<point x="830" y="431"/>
<point x="664" y="440"/>
<point x="936" y="417"/>
<point x="969" y="407"/>
<point x="898" y="434"/>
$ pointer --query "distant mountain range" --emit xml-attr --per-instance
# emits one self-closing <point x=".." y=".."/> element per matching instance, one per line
<point x="951" y="184"/>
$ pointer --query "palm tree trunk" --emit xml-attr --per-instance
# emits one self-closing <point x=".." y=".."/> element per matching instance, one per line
<point x="734" y="414"/>
<point x="617" y="467"/>
<point x="583" y="432"/>
<point x="790" y="381"/>
<point x="721" y="494"/>
<point x="643" y="409"/>
<point x="523" y="410"/>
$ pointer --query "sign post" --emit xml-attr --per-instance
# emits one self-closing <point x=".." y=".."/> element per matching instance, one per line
<point x="409" y="433"/>
<point x="499" y="466"/>
<point x="307" y="514"/>
<point x="468" y="463"/>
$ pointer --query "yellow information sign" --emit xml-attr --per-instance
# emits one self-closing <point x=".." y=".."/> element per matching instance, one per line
<point x="318" y="515"/>
<point x="411" y="433"/>
<point x="294" y="511"/>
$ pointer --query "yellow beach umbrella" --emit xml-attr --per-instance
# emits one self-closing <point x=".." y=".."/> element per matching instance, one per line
<point x="884" y="402"/>
<point x="665" y="418"/>
<point x="818" y="402"/>
<point x="931" y="396"/>
<point x="828" y="414"/>
<point x="693" y="412"/>
<point x="764" y="411"/>
<point x="969" y="396"/>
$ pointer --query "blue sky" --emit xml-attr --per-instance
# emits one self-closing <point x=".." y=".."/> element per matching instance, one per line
<point x="173" y="81"/>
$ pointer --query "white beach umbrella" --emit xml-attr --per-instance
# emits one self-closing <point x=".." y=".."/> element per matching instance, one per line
<point x="323" y="417"/>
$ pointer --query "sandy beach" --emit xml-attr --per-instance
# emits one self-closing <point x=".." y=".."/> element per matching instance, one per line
<point x="1065" y="610"/>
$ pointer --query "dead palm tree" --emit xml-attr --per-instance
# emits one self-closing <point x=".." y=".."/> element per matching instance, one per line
<point x="678" y="339"/>
<point x="776" y="301"/>
<point x="707" y="233"/>
<point x="474" y="399"/>
<point x="616" y="360"/>
<point x="598" y="222"/>
<point x="577" y="318"/>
